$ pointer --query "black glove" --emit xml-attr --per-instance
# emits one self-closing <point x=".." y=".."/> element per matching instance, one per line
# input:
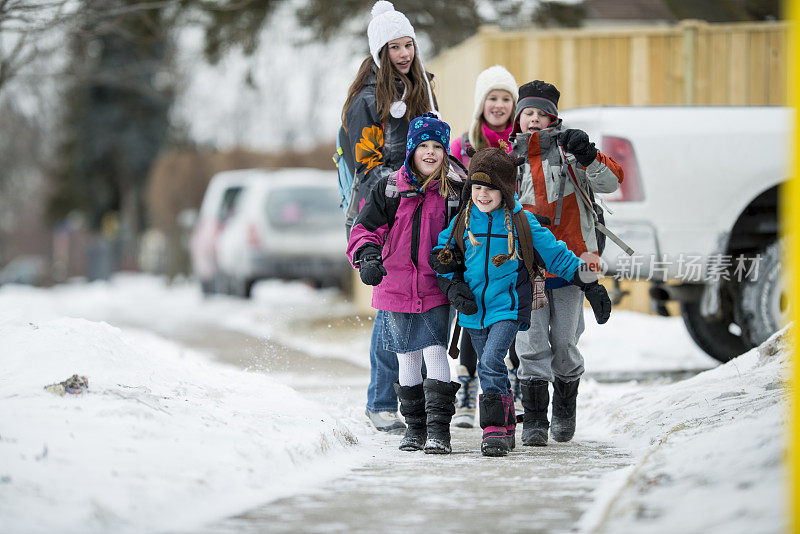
<point x="456" y="263"/>
<point x="576" y="142"/>
<point x="462" y="298"/>
<point x="459" y="295"/>
<point x="543" y="221"/>
<point x="594" y="293"/>
<point x="370" y="267"/>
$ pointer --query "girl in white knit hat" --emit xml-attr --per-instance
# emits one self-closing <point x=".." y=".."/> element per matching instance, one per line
<point x="391" y="87"/>
<point x="492" y="124"/>
<point x="493" y="115"/>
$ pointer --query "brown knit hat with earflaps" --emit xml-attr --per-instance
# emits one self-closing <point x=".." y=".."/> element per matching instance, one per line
<point x="494" y="168"/>
<point x="491" y="167"/>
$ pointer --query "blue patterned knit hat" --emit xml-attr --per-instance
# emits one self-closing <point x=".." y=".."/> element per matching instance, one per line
<point x="426" y="127"/>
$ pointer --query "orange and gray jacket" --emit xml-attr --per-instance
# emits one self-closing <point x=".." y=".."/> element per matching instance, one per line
<point x="539" y="183"/>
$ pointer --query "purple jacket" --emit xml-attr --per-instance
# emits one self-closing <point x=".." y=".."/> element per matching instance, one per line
<point x="404" y="228"/>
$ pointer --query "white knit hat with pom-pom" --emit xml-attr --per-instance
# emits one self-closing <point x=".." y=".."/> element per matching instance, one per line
<point x="386" y="25"/>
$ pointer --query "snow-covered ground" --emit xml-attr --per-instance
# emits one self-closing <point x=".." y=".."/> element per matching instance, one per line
<point x="164" y="438"/>
<point x="711" y="449"/>
<point x="168" y="438"/>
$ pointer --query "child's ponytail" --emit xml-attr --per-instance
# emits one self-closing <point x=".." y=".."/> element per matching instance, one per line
<point x="500" y="259"/>
<point x="472" y="239"/>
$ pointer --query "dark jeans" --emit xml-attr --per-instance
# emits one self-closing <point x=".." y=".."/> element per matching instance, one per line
<point x="491" y="345"/>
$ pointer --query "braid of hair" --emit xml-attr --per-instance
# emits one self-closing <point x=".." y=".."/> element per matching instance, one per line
<point x="445" y="255"/>
<point x="500" y="259"/>
<point x="472" y="238"/>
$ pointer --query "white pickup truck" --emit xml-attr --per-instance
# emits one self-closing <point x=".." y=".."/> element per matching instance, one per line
<point x="699" y="206"/>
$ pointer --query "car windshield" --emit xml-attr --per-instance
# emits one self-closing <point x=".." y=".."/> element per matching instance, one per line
<point x="304" y="208"/>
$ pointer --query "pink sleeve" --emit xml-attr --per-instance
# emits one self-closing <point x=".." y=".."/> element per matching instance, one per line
<point x="455" y="150"/>
<point x="360" y="236"/>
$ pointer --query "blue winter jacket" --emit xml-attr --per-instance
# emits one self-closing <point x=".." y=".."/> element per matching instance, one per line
<point x="504" y="292"/>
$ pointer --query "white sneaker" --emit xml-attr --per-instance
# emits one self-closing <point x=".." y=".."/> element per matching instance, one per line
<point x="464" y="418"/>
<point x="385" y="422"/>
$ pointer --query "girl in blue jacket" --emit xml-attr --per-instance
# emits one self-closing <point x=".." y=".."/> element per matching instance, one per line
<point x="491" y="287"/>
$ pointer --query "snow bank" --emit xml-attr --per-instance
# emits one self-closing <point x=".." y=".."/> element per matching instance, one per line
<point x="711" y="449"/>
<point x="163" y="439"/>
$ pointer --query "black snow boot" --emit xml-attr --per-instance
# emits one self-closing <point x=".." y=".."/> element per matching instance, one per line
<point x="493" y="414"/>
<point x="412" y="407"/>
<point x="564" y="395"/>
<point x="535" y="401"/>
<point x="440" y="405"/>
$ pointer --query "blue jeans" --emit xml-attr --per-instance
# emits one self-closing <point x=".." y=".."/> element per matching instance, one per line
<point x="383" y="370"/>
<point x="491" y="345"/>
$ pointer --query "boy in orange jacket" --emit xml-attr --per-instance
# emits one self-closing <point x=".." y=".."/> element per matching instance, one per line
<point x="548" y="351"/>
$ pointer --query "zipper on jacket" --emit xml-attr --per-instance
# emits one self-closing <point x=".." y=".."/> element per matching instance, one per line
<point x="486" y="270"/>
<point x="415" y="234"/>
<point x="513" y="300"/>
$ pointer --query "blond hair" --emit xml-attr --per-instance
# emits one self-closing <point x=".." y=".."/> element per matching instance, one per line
<point x="445" y="256"/>
<point x="500" y="259"/>
<point x="445" y="187"/>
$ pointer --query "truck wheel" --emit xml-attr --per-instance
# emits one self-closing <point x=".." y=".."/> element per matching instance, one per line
<point x="764" y="303"/>
<point x="712" y="335"/>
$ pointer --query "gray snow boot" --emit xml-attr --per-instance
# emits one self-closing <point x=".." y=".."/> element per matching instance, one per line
<point x="412" y="407"/>
<point x="564" y="396"/>
<point x="466" y="399"/>
<point x="440" y="405"/>
<point x="535" y="401"/>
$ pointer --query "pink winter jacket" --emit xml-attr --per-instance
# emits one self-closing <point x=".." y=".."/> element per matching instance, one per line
<point x="405" y="244"/>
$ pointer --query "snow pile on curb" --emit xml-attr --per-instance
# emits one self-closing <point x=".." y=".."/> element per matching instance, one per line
<point x="711" y="449"/>
<point x="163" y="439"/>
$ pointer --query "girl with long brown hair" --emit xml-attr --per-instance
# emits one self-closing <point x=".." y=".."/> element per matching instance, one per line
<point x="391" y="87"/>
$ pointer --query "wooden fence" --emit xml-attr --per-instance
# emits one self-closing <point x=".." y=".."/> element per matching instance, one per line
<point x="691" y="63"/>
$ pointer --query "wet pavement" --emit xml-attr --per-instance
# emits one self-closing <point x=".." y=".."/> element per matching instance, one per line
<point x="534" y="489"/>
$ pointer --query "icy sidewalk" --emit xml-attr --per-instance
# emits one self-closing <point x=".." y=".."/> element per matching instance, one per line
<point x="711" y="450"/>
<point x="163" y="439"/>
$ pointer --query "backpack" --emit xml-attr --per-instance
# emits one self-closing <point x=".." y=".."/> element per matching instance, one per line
<point x="520" y="222"/>
<point x="589" y="200"/>
<point x="345" y="169"/>
<point x="465" y="144"/>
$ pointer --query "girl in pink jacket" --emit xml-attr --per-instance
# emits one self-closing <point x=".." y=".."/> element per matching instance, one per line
<point x="390" y="243"/>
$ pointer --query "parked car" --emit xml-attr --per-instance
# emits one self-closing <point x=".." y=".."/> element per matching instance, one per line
<point x="287" y="226"/>
<point x="28" y="270"/>
<point x="699" y="205"/>
<point x="219" y="203"/>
